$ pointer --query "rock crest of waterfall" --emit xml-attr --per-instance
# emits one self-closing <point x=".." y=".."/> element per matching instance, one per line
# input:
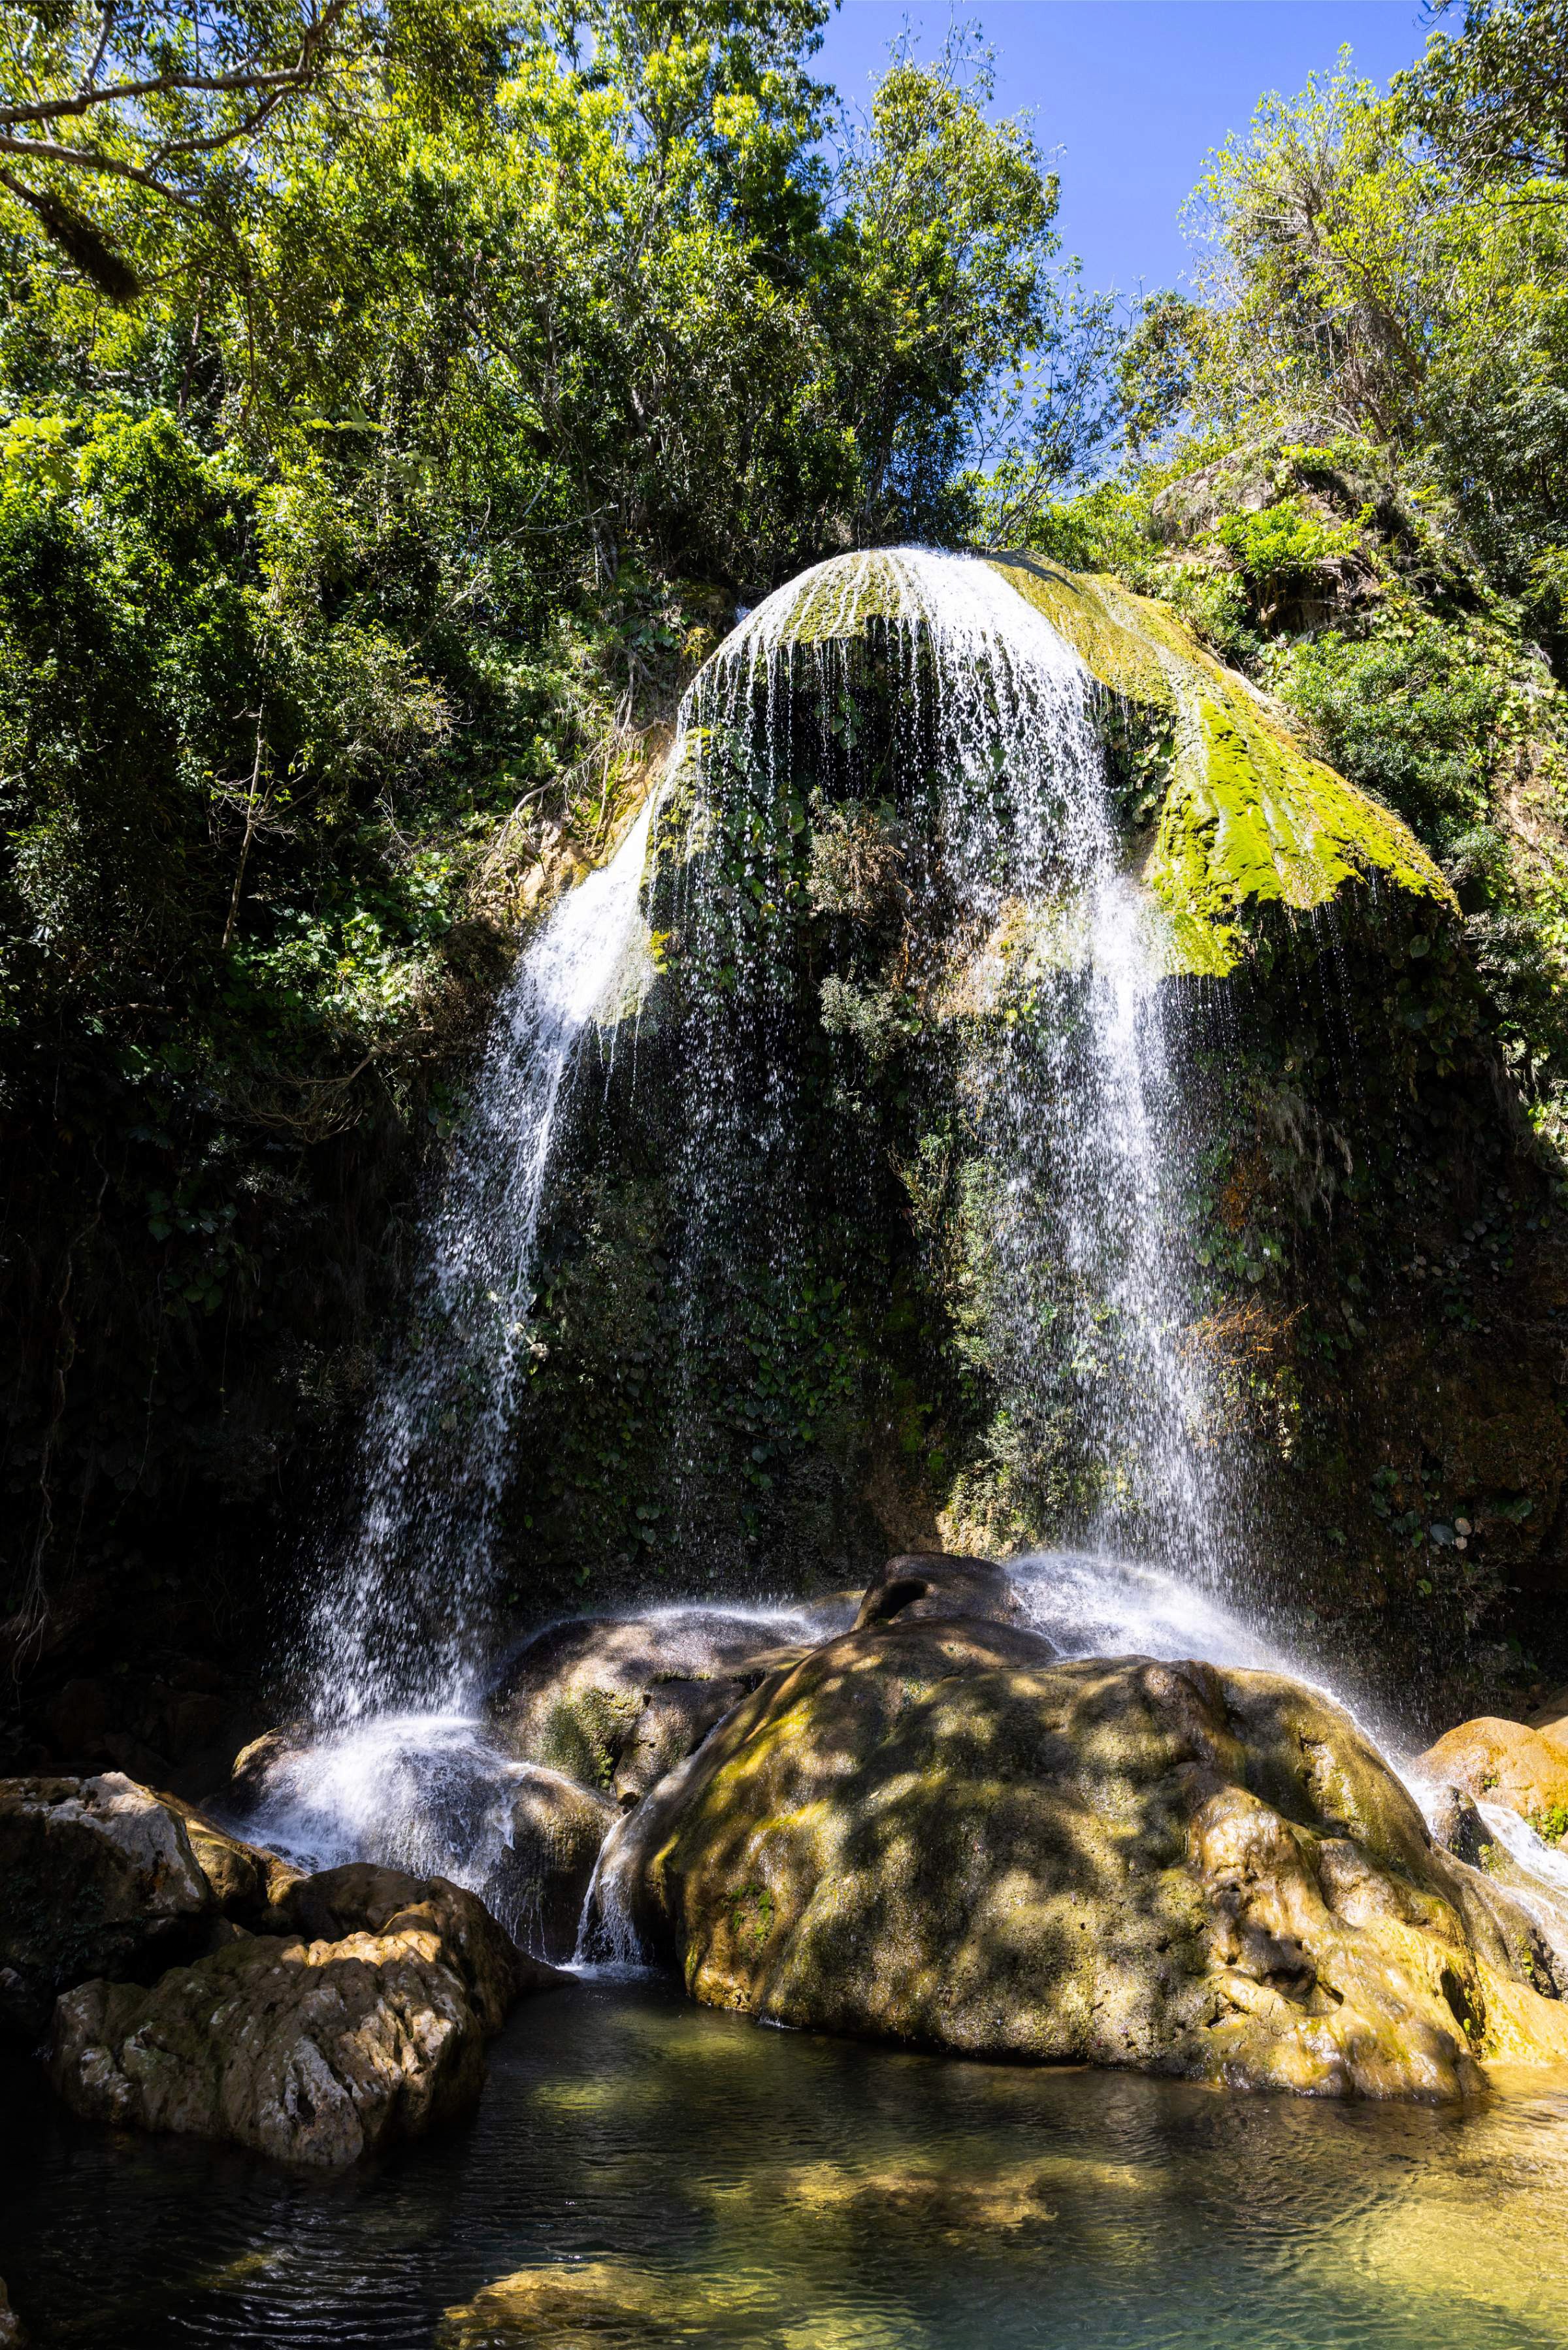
<point x="1027" y="938"/>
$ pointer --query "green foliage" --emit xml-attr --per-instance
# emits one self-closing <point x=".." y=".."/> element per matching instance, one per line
<point x="1281" y="545"/>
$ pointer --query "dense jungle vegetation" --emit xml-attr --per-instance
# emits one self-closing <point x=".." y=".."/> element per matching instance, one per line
<point x="396" y="403"/>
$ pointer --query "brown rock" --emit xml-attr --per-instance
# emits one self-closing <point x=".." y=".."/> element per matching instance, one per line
<point x="364" y="1897"/>
<point x="11" y="2334"/>
<point x="249" y="1883"/>
<point x="312" y="2051"/>
<point x="254" y="1765"/>
<point x="97" y="1877"/>
<point x="940" y="1583"/>
<point x="1499" y="1762"/>
<point x="935" y="1831"/>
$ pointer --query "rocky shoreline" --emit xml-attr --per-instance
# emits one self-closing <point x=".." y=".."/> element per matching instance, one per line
<point x="929" y="1827"/>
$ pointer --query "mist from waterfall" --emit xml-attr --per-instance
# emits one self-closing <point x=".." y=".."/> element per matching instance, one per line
<point x="395" y="1612"/>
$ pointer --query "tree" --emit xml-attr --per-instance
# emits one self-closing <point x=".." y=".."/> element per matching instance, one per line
<point x="1493" y="102"/>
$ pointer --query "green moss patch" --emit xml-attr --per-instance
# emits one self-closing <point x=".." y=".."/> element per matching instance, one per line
<point x="1249" y="818"/>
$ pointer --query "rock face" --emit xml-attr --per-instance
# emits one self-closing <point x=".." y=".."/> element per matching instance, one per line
<point x="312" y="2051"/>
<point x="936" y="1831"/>
<point x="1498" y="1762"/>
<point x="921" y="1584"/>
<point x="249" y="1883"/>
<point x="97" y="1877"/>
<point x="615" y="1702"/>
<point x="557" y="1828"/>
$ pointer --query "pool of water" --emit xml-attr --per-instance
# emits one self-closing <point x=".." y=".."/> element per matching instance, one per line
<point x="642" y="2172"/>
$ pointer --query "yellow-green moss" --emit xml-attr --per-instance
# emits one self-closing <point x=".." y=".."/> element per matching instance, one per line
<point x="1249" y="818"/>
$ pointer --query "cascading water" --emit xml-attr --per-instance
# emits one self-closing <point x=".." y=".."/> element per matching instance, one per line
<point x="983" y="814"/>
<point x="394" y="1623"/>
<point x="400" y="1769"/>
<point x="1024" y="931"/>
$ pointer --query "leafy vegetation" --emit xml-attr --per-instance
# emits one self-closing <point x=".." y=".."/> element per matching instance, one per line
<point x="395" y="399"/>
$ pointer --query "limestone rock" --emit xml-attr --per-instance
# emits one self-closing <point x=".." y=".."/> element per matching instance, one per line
<point x="364" y="1898"/>
<point x="614" y="1703"/>
<point x="1499" y="1762"/>
<point x="937" y="1832"/>
<point x="937" y="1583"/>
<point x="97" y="1877"/>
<point x="311" y="2050"/>
<point x="254" y="1765"/>
<point x="557" y="1828"/>
<point x="249" y="1883"/>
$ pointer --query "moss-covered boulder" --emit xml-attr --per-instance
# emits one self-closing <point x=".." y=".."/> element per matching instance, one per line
<point x="935" y="1831"/>
<point x="614" y="1703"/>
<point x="1249" y="821"/>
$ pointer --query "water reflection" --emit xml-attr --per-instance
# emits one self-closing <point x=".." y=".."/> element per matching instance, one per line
<point x="642" y="2172"/>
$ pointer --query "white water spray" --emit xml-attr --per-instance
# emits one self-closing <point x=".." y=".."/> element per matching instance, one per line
<point x="396" y="1622"/>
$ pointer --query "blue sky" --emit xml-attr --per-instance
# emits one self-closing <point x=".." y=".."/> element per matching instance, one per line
<point x="1134" y="93"/>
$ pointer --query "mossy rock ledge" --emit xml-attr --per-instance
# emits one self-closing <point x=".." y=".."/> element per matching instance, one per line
<point x="937" y="1831"/>
<point x="1248" y="824"/>
<point x="1249" y="821"/>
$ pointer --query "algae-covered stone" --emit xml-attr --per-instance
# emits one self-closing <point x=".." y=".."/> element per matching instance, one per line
<point x="615" y="1701"/>
<point x="936" y="1831"/>
<point x="606" y="2302"/>
<point x="1250" y="819"/>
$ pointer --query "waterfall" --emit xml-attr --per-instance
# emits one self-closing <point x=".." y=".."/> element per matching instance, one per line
<point x="394" y="1623"/>
<point x="1023" y="931"/>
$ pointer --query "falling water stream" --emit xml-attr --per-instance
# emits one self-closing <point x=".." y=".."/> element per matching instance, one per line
<point x="643" y="2171"/>
<point x="1013" y="877"/>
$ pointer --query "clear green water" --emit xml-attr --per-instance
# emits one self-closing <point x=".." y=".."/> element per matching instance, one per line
<point x="645" y="2172"/>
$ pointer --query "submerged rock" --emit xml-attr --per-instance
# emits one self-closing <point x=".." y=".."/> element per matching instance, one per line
<point x="11" y="2334"/>
<point x="97" y="1877"/>
<point x="607" y="2301"/>
<point x="937" y="1832"/>
<point x="614" y="1703"/>
<point x="312" y="2051"/>
<point x="1498" y="1762"/>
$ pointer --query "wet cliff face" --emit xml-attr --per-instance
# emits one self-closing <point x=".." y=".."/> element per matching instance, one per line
<point x="770" y="1337"/>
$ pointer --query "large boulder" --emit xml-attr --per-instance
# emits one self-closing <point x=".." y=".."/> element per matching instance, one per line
<point x="1494" y="1760"/>
<point x="937" y="1832"/>
<point x="97" y="1877"/>
<point x="312" y="2051"/>
<point x="614" y="1703"/>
